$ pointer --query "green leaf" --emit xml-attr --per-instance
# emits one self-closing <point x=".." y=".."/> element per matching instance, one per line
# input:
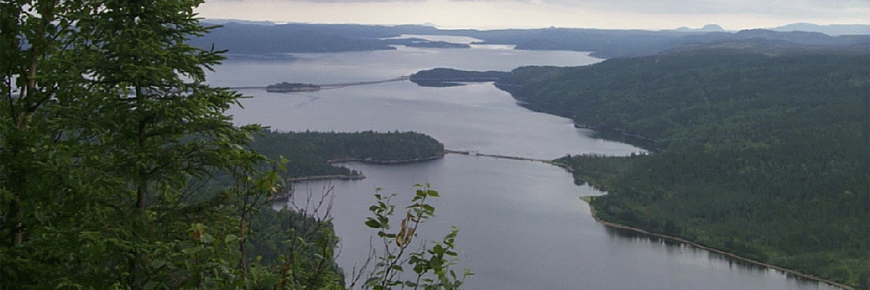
<point x="372" y="223"/>
<point x="231" y="238"/>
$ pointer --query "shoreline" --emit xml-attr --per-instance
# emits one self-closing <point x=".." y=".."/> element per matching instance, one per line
<point x="603" y="132"/>
<point x="712" y="250"/>
<point x="326" y="177"/>
<point x="284" y="196"/>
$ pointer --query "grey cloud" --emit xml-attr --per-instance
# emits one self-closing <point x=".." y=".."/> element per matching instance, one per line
<point x="790" y="8"/>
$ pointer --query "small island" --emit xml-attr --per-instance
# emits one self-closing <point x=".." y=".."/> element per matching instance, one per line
<point x="423" y="43"/>
<point x="438" y="44"/>
<point x="286" y="87"/>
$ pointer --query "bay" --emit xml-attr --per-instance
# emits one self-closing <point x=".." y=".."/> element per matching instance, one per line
<point x="522" y="225"/>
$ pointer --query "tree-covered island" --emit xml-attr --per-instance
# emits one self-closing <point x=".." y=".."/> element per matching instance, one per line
<point x="438" y="44"/>
<point x="423" y="43"/>
<point x="286" y="87"/>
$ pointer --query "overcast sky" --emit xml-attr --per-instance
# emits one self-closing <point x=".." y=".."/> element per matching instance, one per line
<point x="488" y="14"/>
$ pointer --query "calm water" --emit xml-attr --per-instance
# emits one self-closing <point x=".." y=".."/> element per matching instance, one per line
<point x="521" y="223"/>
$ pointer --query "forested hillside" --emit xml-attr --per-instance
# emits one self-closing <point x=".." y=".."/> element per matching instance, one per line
<point x="762" y="156"/>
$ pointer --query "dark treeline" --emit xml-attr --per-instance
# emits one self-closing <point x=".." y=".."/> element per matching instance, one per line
<point x="308" y="153"/>
<point x="762" y="156"/>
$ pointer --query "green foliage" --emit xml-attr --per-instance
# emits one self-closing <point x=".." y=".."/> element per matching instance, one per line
<point x="109" y="140"/>
<point x="120" y="170"/>
<point x="762" y="156"/>
<point x="430" y="264"/>
<point x="299" y="243"/>
<point x="106" y="134"/>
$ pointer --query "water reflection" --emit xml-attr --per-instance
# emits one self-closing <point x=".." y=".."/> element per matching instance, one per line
<point x="673" y="247"/>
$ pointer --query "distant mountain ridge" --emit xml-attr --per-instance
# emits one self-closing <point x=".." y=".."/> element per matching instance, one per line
<point x="833" y="29"/>
<point x="706" y="28"/>
<point x="225" y="21"/>
<point x="260" y="38"/>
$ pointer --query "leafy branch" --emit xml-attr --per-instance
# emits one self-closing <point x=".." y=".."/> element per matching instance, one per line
<point x="431" y="265"/>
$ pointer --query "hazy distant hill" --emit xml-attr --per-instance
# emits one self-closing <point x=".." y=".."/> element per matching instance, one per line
<point x="287" y="38"/>
<point x="706" y="28"/>
<point x="628" y="43"/>
<point x="800" y="37"/>
<point x="773" y="42"/>
<point x="833" y="30"/>
<point x="262" y="38"/>
<point x="225" y="21"/>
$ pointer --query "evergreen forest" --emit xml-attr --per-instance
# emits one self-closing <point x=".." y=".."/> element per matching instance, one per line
<point x="762" y="156"/>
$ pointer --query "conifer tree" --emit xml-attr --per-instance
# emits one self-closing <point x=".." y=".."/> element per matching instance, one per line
<point x="106" y="128"/>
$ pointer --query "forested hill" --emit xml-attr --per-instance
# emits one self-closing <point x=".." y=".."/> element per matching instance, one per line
<point x="728" y="100"/>
<point x="762" y="156"/>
